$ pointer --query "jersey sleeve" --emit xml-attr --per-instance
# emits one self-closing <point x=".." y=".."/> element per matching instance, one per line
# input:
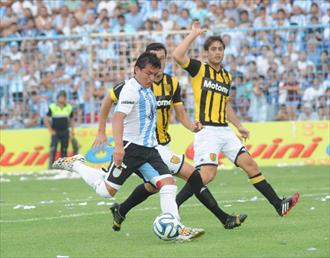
<point x="177" y="95"/>
<point x="127" y="99"/>
<point x="49" y="113"/>
<point x="192" y="67"/>
<point x="115" y="91"/>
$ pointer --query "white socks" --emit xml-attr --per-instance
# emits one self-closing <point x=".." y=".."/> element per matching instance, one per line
<point x="167" y="200"/>
<point x="93" y="177"/>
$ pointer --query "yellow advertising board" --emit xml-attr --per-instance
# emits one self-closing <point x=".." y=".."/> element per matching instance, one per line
<point x="271" y="144"/>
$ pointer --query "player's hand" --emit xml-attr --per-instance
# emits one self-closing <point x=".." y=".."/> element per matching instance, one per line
<point x="52" y="132"/>
<point x="196" y="28"/>
<point x="100" y="142"/>
<point x="245" y="133"/>
<point x="118" y="156"/>
<point x="197" y="126"/>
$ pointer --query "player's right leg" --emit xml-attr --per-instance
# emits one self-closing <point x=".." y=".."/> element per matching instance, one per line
<point x="93" y="177"/>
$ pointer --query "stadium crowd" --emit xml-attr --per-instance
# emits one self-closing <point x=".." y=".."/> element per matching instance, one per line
<point x="278" y="74"/>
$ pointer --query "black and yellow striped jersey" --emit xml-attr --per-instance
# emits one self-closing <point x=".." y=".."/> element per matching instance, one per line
<point x="211" y="92"/>
<point x="168" y="94"/>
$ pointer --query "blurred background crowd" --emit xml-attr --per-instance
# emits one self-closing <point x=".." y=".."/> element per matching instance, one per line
<point x="277" y="51"/>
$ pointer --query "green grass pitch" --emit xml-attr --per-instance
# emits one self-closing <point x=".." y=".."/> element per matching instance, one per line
<point x="65" y="217"/>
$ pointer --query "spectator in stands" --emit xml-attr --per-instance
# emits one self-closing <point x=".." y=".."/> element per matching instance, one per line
<point x="17" y="87"/>
<point x="199" y="12"/>
<point x="83" y="12"/>
<point x="307" y="113"/>
<point x="312" y="93"/>
<point x="184" y="20"/>
<point x="272" y="93"/>
<point x="282" y="114"/>
<point x="44" y="21"/>
<point x="258" y="106"/>
<point x="134" y="16"/>
<point x="166" y="22"/>
<point x="110" y="6"/>
<point x="123" y="26"/>
<point x="152" y="10"/>
<point x="244" y="19"/>
<point x="62" y="20"/>
<point x="292" y="89"/>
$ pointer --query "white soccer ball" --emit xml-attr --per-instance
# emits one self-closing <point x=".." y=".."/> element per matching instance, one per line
<point x="166" y="226"/>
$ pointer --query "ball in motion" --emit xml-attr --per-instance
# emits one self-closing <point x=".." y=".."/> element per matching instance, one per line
<point x="167" y="227"/>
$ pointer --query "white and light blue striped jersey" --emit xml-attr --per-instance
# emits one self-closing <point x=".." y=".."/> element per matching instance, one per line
<point x="139" y="104"/>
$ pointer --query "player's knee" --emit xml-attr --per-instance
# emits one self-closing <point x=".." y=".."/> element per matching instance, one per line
<point x="208" y="174"/>
<point x="169" y="180"/>
<point x="150" y="188"/>
<point x="104" y="190"/>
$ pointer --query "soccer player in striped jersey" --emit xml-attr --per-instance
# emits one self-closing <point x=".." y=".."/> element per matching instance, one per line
<point x="134" y="133"/>
<point x="167" y="92"/>
<point x="211" y="87"/>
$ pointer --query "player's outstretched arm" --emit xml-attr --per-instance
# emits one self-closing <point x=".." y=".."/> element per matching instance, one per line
<point x="180" y="52"/>
<point x="232" y="118"/>
<point x="117" y="131"/>
<point x="182" y="117"/>
<point x="101" y="137"/>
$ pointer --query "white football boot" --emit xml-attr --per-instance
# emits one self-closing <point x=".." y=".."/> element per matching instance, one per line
<point x="66" y="163"/>
<point x="188" y="234"/>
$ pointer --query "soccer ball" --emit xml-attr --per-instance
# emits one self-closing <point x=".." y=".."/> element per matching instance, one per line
<point x="166" y="226"/>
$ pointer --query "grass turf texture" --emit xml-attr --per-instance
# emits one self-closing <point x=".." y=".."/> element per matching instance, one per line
<point x="69" y="226"/>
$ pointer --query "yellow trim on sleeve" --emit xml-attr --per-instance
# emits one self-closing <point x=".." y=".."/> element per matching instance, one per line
<point x="178" y="104"/>
<point x="185" y="65"/>
<point x="112" y="95"/>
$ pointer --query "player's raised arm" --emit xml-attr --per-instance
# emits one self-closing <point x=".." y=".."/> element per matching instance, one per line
<point x="101" y="137"/>
<point x="180" y="52"/>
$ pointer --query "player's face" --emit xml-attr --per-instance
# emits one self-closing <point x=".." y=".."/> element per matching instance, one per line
<point x="147" y="75"/>
<point x="215" y="53"/>
<point x="161" y="56"/>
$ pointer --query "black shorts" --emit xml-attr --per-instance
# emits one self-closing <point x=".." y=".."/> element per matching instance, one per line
<point x="143" y="161"/>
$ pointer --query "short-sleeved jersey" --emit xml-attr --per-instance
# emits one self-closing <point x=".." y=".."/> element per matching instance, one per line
<point x="139" y="105"/>
<point x="211" y="92"/>
<point x="168" y="94"/>
<point x="60" y="116"/>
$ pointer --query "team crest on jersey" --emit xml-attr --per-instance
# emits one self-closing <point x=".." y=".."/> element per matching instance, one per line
<point x="213" y="156"/>
<point x="167" y="87"/>
<point x="116" y="172"/>
<point x="175" y="159"/>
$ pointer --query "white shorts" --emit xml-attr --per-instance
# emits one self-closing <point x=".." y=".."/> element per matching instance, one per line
<point x="172" y="160"/>
<point x="214" y="139"/>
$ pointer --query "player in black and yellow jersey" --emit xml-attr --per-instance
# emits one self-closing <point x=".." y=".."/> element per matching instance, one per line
<point x="167" y="92"/>
<point x="211" y="87"/>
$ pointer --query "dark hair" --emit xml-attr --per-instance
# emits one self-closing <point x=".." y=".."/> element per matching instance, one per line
<point x="147" y="58"/>
<point x="155" y="47"/>
<point x="61" y="93"/>
<point x="212" y="39"/>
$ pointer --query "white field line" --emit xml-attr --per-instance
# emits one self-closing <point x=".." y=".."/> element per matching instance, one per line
<point x="96" y="198"/>
<point x="82" y="214"/>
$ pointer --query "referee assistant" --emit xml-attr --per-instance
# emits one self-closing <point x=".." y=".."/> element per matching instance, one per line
<point x="61" y="116"/>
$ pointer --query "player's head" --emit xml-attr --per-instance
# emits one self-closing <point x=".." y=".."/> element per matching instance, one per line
<point x="61" y="97"/>
<point x="215" y="48"/>
<point x="147" y="66"/>
<point x="160" y="51"/>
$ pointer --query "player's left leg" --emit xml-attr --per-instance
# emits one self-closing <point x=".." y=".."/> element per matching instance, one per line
<point x="282" y="206"/>
<point x="139" y="194"/>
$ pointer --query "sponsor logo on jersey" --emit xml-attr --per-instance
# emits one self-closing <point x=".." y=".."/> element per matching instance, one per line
<point x="215" y="86"/>
<point x="127" y="102"/>
<point x="164" y="101"/>
<point x="175" y="159"/>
